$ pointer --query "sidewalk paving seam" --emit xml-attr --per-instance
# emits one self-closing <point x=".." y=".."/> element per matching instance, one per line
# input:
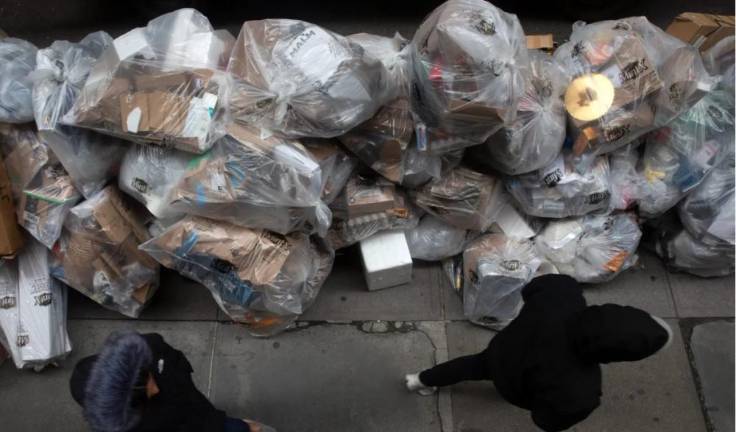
<point x="672" y="295"/>
<point x="212" y="359"/>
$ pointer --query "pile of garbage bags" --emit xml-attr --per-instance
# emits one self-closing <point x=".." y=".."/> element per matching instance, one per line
<point x="246" y="163"/>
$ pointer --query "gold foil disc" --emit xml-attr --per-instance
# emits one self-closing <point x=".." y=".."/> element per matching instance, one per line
<point x="588" y="97"/>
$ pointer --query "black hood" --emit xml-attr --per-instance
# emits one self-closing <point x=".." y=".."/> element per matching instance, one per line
<point x="612" y="333"/>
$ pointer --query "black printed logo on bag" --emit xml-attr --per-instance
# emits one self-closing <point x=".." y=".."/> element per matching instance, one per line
<point x="553" y="178"/>
<point x="7" y="302"/>
<point x="140" y="185"/>
<point x="44" y="299"/>
<point x="511" y="265"/>
<point x="597" y="197"/>
<point x="222" y="266"/>
<point x="578" y="49"/>
<point x="486" y="27"/>
<point x="22" y="340"/>
<point x="301" y="40"/>
<point x="616" y="132"/>
<point x="633" y="70"/>
<point x="621" y="25"/>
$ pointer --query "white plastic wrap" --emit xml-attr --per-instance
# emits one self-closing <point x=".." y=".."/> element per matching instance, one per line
<point x="251" y="181"/>
<point x="625" y="181"/>
<point x="435" y="240"/>
<point x="708" y="211"/>
<point x="150" y="173"/>
<point x="33" y="309"/>
<point x="678" y="157"/>
<point x="382" y="142"/>
<point x="262" y="279"/>
<point x="463" y="198"/>
<point x="469" y="60"/>
<point x="161" y="84"/>
<point x="592" y="248"/>
<point x="302" y="80"/>
<point x="90" y="159"/>
<point x="628" y="77"/>
<point x="496" y="268"/>
<point x="98" y="254"/>
<point x="17" y="61"/>
<point x="42" y="189"/>
<point x="559" y="191"/>
<point x="535" y="137"/>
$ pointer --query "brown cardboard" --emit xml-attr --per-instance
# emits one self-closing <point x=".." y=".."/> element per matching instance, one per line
<point x="167" y="112"/>
<point x="161" y="81"/>
<point x="11" y="239"/>
<point x="463" y="108"/>
<point x="366" y="198"/>
<point x="540" y="41"/>
<point x="130" y="102"/>
<point x="701" y="30"/>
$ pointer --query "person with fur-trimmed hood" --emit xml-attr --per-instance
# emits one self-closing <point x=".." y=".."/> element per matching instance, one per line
<point x="548" y="359"/>
<point x="140" y="383"/>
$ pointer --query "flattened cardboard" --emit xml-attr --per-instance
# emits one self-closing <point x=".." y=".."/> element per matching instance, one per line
<point x="11" y="239"/>
<point x="540" y="41"/>
<point x="701" y="30"/>
<point x="365" y="199"/>
<point x="134" y="113"/>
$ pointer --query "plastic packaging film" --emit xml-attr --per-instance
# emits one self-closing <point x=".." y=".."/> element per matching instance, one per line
<point x="17" y="61"/>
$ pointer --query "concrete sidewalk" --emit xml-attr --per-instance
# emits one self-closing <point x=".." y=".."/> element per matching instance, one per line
<point x="341" y="369"/>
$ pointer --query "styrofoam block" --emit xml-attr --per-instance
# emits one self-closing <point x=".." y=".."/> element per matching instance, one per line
<point x="386" y="260"/>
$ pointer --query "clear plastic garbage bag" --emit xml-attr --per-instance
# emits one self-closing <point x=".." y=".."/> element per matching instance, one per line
<point x="463" y="198"/>
<point x="149" y="174"/>
<point x="367" y="206"/>
<point x="628" y="77"/>
<point x="336" y="164"/>
<point x="252" y="181"/>
<point x="42" y="189"/>
<point x="682" y="252"/>
<point x="495" y="269"/>
<point x="420" y="167"/>
<point x="679" y="156"/>
<point x="434" y="240"/>
<point x="32" y="310"/>
<point x="469" y="59"/>
<point x="98" y="254"/>
<point x="161" y="84"/>
<point x="299" y="79"/>
<point x="592" y="248"/>
<point x="719" y="61"/>
<point x="535" y="137"/>
<point x="259" y="278"/>
<point x="625" y="181"/>
<point x="91" y="159"/>
<point x="17" y="61"/>
<point x="559" y="190"/>
<point x="382" y="142"/>
<point x="708" y="211"/>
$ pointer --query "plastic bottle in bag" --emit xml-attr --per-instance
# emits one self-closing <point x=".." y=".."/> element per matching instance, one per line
<point x="496" y="268"/>
<point x="559" y="190"/>
<point x="98" y="254"/>
<point x="628" y="77"/>
<point x="535" y="137"/>
<point x="678" y="157"/>
<point x="257" y="182"/>
<point x="434" y="240"/>
<point x="469" y="61"/>
<point x="259" y="278"/>
<point x="161" y="84"/>
<point x="463" y="198"/>
<point x="17" y="61"/>
<point x="33" y="310"/>
<point x="91" y="159"/>
<point x="299" y="79"/>
<point x="592" y="248"/>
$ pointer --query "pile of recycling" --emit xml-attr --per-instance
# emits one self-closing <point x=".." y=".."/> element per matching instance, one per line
<point x="245" y="163"/>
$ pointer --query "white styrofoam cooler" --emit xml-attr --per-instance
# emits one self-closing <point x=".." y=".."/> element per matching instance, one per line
<point x="386" y="260"/>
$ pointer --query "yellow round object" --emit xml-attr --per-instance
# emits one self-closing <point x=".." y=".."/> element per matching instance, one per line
<point x="590" y="96"/>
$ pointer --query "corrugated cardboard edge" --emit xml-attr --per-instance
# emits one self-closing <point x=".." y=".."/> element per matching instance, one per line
<point x="11" y="239"/>
<point x="540" y="41"/>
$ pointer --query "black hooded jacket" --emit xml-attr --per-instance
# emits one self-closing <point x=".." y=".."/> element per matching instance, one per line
<point x="178" y="406"/>
<point x="548" y="359"/>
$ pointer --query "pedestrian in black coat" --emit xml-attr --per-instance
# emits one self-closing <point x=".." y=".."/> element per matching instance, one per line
<point x="140" y="383"/>
<point x="548" y="359"/>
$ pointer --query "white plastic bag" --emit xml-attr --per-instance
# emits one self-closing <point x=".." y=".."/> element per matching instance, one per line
<point x="682" y="252"/>
<point x="17" y="61"/>
<point x="469" y="60"/>
<point x="299" y="79"/>
<point x="592" y="248"/>
<point x="262" y="279"/>
<point x="435" y="240"/>
<point x="161" y="84"/>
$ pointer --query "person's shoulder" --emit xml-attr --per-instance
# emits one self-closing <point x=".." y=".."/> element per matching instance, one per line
<point x="552" y="285"/>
